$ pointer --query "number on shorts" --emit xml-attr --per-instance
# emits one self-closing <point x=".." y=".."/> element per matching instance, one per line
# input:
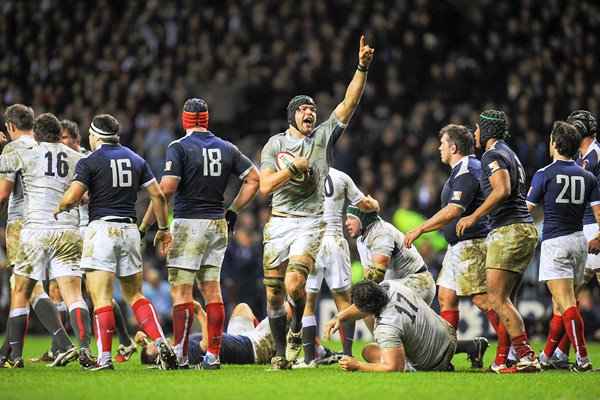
<point x="577" y="196"/>
<point x="212" y="168"/>
<point x="62" y="166"/>
<point x="121" y="172"/>
<point x="412" y="315"/>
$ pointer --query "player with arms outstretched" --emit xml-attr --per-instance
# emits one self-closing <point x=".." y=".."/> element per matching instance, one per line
<point x="293" y="235"/>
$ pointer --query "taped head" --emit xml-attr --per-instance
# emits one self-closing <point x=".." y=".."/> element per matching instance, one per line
<point x="584" y="122"/>
<point x="195" y="113"/>
<point x="492" y="125"/>
<point x="365" y="219"/>
<point x="293" y="106"/>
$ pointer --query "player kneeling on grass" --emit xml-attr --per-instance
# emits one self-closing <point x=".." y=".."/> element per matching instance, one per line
<point x="565" y="190"/>
<point x="410" y="335"/>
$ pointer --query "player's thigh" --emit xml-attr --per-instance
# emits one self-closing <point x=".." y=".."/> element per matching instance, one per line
<point x="100" y="285"/>
<point x="446" y="277"/>
<point x="99" y="244"/>
<point x="13" y="234"/>
<point x="197" y="242"/>
<point x="70" y="288"/>
<point x="593" y="260"/>
<point x="338" y="274"/>
<point x="34" y="253"/>
<point x="422" y="283"/>
<point x="470" y="256"/>
<point x="239" y="324"/>
<point x="511" y="247"/>
<point x="65" y="256"/>
<point x="129" y="253"/>
<point x="563" y="257"/>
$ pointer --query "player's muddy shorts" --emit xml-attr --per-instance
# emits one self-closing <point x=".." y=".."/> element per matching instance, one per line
<point x="564" y="257"/>
<point x="198" y="250"/>
<point x="463" y="268"/>
<point x="421" y="282"/>
<point x="13" y="233"/>
<point x="593" y="260"/>
<point x="332" y="265"/>
<point x="511" y="247"/>
<point x="286" y="237"/>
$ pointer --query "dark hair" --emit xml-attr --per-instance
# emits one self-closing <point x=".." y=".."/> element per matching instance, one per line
<point x="369" y="297"/>
<point x="461" y="137"/>
<point x="47" y="128"/>
<point x="492" y="125"/>
<point x="20" y="116"/>
<point x="146" y="358"/>
<point x="566" y="137"/>
<point x="71" y="127"/>
<point x="107" y="123"/>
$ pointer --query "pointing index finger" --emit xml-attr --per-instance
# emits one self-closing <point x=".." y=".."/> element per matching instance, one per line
<point x="362" y="41"/>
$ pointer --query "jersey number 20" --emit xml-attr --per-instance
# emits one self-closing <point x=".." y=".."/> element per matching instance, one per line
<point x="577" y="196"/>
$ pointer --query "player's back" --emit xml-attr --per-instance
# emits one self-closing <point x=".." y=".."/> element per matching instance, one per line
<point x="590" y="161"/>
<point x="424" y="334"/>
<point x="338" y="187"/>
<point x="16" y="201"/>
<point x="47" y="170"/>
<point x="113" y="174"/>
<point x="566" y="190"/>
<point x="203" y="163"/>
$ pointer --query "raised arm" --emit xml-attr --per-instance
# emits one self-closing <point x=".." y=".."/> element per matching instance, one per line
<point x="356" y="87"/>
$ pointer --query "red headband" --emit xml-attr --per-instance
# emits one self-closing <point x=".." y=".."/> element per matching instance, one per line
<point x="192" y="119"/>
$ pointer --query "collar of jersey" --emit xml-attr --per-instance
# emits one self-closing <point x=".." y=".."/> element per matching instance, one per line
<point x="461" y="160"/>
<point x="592" y="147"/>
<point x="288" y="134"/>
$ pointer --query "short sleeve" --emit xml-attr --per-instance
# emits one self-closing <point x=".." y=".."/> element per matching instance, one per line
<point x="353" y="194"/>
<point x="8" y="176"/>
<point x="332" y="129"/>
<point x="83" y="173"/>
<point x="382" y="245"/>
<point x="267" y="156"/>
<point x="595" y="191"/>
<point x="147" y="175"/>
<point x="173" y="161"/>
<point x="241" y="164"/>
<point x="464" y="190"/>
<point x="388" y="337"/>
<point x="536" y="190"/>
<point x="11" y="163"/>
<point x="493" y="161"/>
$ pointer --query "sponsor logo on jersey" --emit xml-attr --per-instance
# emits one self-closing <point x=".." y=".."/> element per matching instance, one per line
<point x="456" y="196"/>
<point x="494" y="166"/>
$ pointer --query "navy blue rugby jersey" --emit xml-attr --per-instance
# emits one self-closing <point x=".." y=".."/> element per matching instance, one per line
<point x="565" y="189"/>
<point x="203" y="163"/>
<point x="513" y="209"/>
<point x="590" y="162"/>
<point x="463" y="190"/>
<point x="113" y="174"/>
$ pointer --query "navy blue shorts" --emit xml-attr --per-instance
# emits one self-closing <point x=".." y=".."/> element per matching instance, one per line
<point x="235" y="349"/>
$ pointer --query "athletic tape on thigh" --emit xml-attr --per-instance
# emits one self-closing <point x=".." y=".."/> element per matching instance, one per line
<point x="274" y="281"/>
<point x="300" y="268"/>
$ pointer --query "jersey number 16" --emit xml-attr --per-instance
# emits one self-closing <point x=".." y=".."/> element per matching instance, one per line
<point x="121" y="172"/>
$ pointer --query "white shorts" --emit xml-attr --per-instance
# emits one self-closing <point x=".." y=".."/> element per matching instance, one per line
<point x="239" y="325"/>
<point x="463" y="268"/>
<point x="593" y="260"/>
<point x="198" y="243"/>
<point x="56" y="252"/>
<point x="422" y="283"/>
<point x="13" y="233"/>
<point x="564" y="257"/>
<point x="113" y="247"/>
<point x="287" y="237"/>
<point x="333" y="265"/>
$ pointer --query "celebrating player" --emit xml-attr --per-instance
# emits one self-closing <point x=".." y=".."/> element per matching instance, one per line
<point x="293" y="235"/>
<point x="463" y="268"/>
<point x="565" y="190"/>
<point x="197" y="171"/>
<point x="112" y="175"/>
<point x="333" y="261"/>
<point x="512" y="240"/>
<point x="47" y="245"/>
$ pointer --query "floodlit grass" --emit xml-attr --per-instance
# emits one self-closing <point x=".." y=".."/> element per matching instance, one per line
<point x="132" y="381"/>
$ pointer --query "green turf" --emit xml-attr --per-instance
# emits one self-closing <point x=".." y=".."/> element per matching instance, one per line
<point x="132" y="381"/>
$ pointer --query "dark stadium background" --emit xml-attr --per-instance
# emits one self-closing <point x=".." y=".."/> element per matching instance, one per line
<point x="436" y="62"/>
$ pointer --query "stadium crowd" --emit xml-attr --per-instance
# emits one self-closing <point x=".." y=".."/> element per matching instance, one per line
<point x="435" y="64"/>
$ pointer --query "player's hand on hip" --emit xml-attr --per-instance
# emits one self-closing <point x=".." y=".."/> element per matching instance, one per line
<point x="594" y="246"/>
<point x="365" y="53"/>
<point x="56" y="212"/>
<point x="348" y="363"/>
<point x="331" y="327"/>
<point x="301" y="163"/>
<point x="410" y="237"/>
<point x="166" y="241"/>
<point x="464" y="224"/>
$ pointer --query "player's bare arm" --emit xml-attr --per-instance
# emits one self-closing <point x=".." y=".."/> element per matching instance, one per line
<point x="168" y="185"/>
<point x="438" y="221"/>
<point x="376" y="271"/>
<point x="6" y="188"/>
<point x="350" y="314"/>
<point x="271" y="180"/>
<point x="594" y="244"/>
<point x="356" y="87"/>
<point x="71" y="198"/>
<point x="500" y="182"/>
<point x="250" y="186"/>
<point x="393" y="360"/>
<point x="368" y="204"/>
<point x="161" y="209"/>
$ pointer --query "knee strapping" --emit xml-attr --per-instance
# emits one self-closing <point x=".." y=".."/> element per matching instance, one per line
<point x="276" y="312"/>
<point x="273" y="281"/>
<point x="299" y="268"/>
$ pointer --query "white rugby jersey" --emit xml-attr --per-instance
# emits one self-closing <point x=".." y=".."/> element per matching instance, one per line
<point x="16" y="200"/>
<point x="47" y="170"/>
<point x="424" y="335"/>
<point x="338" y="187"/>
<point x="384" y="239"/>
<point x="262" y="342"/>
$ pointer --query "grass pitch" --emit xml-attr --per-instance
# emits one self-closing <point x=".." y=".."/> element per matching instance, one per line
<point x="131" y="380"/>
